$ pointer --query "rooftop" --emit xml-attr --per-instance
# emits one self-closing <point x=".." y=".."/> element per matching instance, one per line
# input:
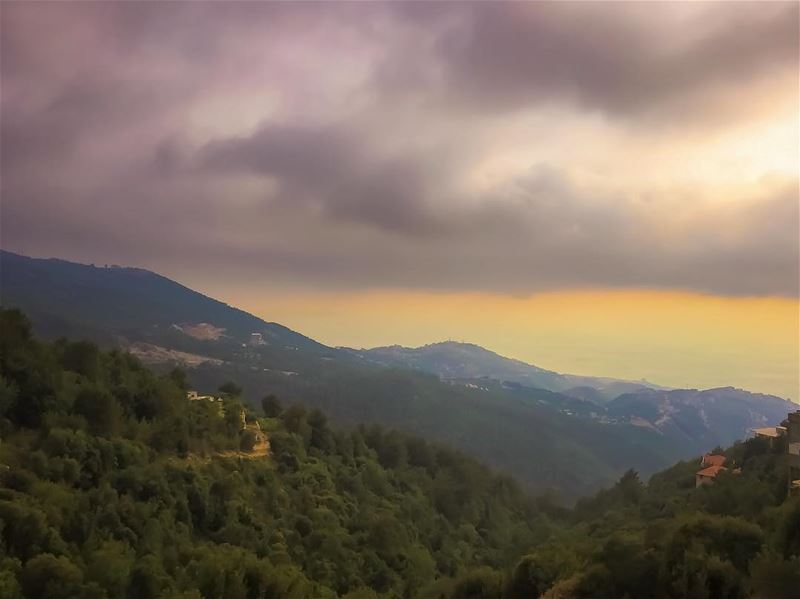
<point x="711" y="471"/>
<point x="770" y="431"/>
<point x="713" y="460"/>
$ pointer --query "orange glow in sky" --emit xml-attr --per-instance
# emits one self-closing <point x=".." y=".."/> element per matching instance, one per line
<point x="671" y="338"/>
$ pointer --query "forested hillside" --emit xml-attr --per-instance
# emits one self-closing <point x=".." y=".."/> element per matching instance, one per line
<point x="527" y="435"/>
<point x="736" y="538"/>
<point x="114" y="484"/>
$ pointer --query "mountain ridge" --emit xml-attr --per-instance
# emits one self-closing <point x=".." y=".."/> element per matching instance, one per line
<point x="455" y="359"/>
<point x="23" y="277"/>
<point x="550" y="440"/>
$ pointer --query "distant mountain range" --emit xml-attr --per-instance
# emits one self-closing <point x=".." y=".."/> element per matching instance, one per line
<point x="568" y="433"/>
<point x="699" y="418"/>
<point x="452" y="360"/>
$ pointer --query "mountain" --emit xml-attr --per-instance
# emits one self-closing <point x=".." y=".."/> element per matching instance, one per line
<point x="452" y="360"/>
<point x="714" y="417"/>
<point x="549" y="440"/>
<point x="687" y="417"/>
<point x="167" y="324"/>
<point x="119" y="303"/>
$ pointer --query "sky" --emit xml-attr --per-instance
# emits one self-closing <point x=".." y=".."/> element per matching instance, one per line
<point x="599" y="188"/>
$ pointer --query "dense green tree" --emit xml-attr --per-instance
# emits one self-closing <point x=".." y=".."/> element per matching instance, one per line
<point x="483" y="583"/>
<point x="271" y="406"/>
<point x="101" y="410"/>
<point x="772" y="577"/>
<point x="147" y="579"/>
<point x="532" y="576"/>
<point x="8" y="395"/>
<point x="9" y="583"/>
<point x="46" y="576"/>
<point x="82" y="357"/>
<point x="180" y="378"/>
<point x="788" y="529"/>
<point x="295" y="419"/>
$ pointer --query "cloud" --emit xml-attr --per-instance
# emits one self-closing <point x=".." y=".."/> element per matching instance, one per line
<point x="628" y="60"/>
<point x="335" y="171"/>
<point x="509" y="148"/>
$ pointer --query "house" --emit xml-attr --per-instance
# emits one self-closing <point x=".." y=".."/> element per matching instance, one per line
<point x="713" y="460"/>
<point x="711" y="465"/>
<point x="770" y="432"/>
<point x="793" y="449"/>
<point x="193" y="396"/>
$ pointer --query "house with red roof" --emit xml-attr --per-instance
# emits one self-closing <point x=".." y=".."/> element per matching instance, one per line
<point x="711" y="465"/>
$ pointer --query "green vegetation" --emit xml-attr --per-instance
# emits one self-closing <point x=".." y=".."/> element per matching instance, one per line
<point x="736" y="538"/>
<point x="114" y="484"/>
<point x="524" y="432"/>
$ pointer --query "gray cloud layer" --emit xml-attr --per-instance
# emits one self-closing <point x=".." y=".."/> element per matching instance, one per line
<point x="339" y="146"/>
<point x="612" y="57"/>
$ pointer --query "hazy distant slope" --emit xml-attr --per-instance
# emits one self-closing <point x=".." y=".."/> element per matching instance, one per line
<point x="702" y="418"/>
<point x="696" y="420"/>
<point x="452" y="360"/>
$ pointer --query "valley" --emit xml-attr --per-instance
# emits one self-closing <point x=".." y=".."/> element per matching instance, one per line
<point x="569" y="442"/>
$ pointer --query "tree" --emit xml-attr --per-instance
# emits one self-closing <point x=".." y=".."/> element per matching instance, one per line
<point x="392" y="451"/>
<point x="531" y="578"/>
<point x="8" y="395"/>
<point x="101" y="410"/>
<point x="234" y="416"/>
<point x="295" y="419"/>
<point x="15" y="333"/>
<point x="321" y="436"/>
<point x="775" y="578"/>
<point x="789" y="529"/>
<point x="483" y="583"/>
<point x="9" y="586"/>
<point x="49" y="577"/>
<point x="110" y="567"/>
<point x="147" y="578"/>
<point x="82" y="357"/>
<point x="630" y="487"/>
<point x="180" y="378"/>
<point x="271" y="407"/>
<point x="732" y="539"/>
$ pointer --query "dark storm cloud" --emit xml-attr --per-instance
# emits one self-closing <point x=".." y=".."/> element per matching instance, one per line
<point x="344" y="146"/>
<point x="618" y="58"/>
<point x="336" y="170"/>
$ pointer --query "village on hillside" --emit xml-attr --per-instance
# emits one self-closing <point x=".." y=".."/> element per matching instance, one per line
<point x="787" y="432"/>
